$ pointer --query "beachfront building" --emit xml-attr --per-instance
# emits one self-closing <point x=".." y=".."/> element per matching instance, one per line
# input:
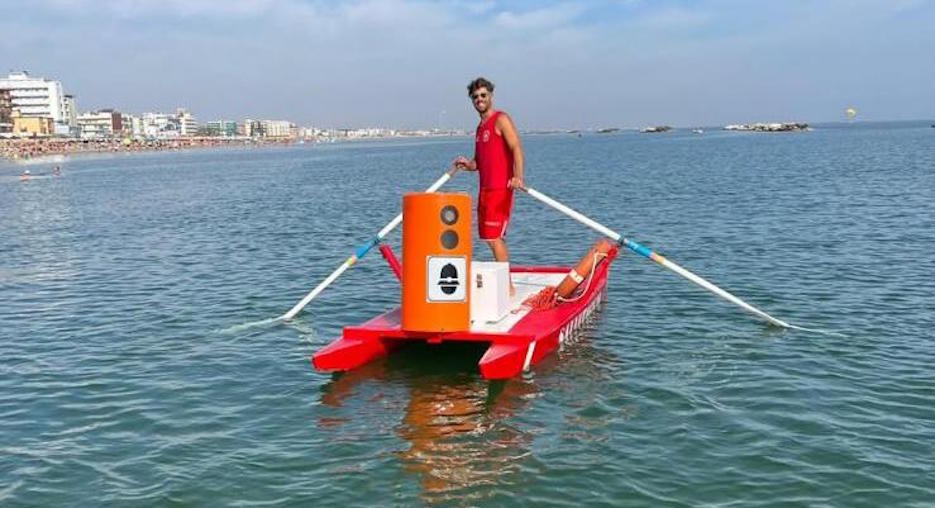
<point x="32" y="126"/>
<point x="166" y="125"/>
<point x="160" y="125"/>
<point x="70" y="114"/>
<point x="6" y="110"/>
<point x="188" y="126"/>
<point x="369" y="132"/>
<point x="253" y="128"/>
<point x="103" y="124"/>
<point x="132" y="126"/>
<point x="278" y="129"/>
<point x="221" y="128"/>
<point x="38" y="98"/>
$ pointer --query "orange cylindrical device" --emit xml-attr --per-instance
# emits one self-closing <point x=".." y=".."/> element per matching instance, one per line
<point x="436" y="259"/>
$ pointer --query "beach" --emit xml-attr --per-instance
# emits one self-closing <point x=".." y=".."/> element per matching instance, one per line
<point x="32" y="148"/>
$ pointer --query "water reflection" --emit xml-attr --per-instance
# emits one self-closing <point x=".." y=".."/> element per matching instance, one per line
<point x="457" y="425"/>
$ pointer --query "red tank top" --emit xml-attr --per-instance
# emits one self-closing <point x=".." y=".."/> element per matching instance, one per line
<point x="494" y="158"/>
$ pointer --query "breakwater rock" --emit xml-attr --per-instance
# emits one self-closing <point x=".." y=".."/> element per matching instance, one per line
<point x="658" y="128"/>
<point x="769" y="127"/>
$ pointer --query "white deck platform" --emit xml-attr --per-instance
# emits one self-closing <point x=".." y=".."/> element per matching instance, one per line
<point x="527" y="284"/>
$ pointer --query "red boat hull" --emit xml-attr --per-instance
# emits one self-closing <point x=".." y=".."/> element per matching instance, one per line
<point x="535" y="336"/>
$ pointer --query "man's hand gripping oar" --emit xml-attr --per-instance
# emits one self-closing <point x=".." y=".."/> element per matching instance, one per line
<point x="649" y="254"/>
<point x="361" y="252"/>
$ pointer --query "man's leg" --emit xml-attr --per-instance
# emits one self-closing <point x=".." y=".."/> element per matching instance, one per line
<point x="500" y="253"/>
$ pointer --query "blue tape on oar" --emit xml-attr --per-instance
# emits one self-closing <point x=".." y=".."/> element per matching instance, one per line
<point x="361" y="252"/>
<point x="639" y="249"/>
<point x="649" y="254"/>
<point x="365" y="248"/>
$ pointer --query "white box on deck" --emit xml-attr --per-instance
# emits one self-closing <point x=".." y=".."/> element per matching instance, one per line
<point x="490" y="291"/>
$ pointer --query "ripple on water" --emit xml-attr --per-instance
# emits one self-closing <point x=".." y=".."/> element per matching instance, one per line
<point x="129" y="373"/>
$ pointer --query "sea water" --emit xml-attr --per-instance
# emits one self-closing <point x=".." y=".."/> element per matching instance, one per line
<point x="127" y="376"/>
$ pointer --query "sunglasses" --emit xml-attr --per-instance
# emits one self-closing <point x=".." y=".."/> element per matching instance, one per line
<point x="482" y="95"/>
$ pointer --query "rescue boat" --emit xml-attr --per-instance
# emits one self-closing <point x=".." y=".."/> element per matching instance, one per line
<point x="447" y="297"/>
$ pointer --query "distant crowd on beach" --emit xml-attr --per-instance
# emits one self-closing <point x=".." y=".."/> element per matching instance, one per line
<point x="26" y="149"/>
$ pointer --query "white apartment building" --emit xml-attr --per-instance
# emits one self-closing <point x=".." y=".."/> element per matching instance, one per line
<point x="277" y="129"/>
<point x="70" y="114"/>
<point x="166" y="125"/>
<point x="37" y="97"/>
<point x="132" y="125"/>
<point x="370" y="132"/>
<point x="104" y="124"/>
<point x="160" y="125"/>
<point x="252" y="128"/>
<point x="188" y="126"/>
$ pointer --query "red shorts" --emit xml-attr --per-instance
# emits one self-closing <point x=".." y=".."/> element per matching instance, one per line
<point x="493" y="212"/>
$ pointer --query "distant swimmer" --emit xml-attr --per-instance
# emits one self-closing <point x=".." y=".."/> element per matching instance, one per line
<point x="57" y="171"/>
<point x="26" y="175"/>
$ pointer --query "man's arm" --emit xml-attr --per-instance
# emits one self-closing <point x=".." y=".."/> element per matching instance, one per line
<point x="463" y="163"/>
<point x="508" y="130"/>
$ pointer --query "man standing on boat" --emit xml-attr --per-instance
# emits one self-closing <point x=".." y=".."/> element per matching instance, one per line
<point x="498" y="159"/>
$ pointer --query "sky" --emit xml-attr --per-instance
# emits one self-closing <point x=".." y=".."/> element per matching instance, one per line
<point x="555" y="64"/>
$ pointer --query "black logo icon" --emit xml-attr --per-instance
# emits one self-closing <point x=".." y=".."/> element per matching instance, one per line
<point x="448" y="281"/>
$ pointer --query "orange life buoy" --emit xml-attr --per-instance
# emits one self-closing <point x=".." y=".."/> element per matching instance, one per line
<point x="577" y="274"/>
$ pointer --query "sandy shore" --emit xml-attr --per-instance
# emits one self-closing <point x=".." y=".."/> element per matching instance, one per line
<point x="26" y="149"/>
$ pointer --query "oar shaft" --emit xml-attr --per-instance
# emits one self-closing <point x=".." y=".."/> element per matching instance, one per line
<point x="700" y="281"/>
<point x="649" y="254"/>
<point x="578" y="216"/>
<point x="361" y="252"/>
<point x="399" y="218"/>
<point x="321" y="287"/>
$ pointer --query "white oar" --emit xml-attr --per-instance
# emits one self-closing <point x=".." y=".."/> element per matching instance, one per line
<point x="649" y="254"/>
<point x="361" y="251"/>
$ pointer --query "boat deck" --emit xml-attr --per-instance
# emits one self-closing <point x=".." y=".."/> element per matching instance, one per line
<point x="517" y="341"/>
<point x="527" y="284"/>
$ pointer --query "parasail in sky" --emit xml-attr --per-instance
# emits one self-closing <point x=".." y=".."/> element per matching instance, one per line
<point x="851" y="113"/>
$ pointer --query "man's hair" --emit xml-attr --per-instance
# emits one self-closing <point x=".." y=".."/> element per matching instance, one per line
<point x="480" y="83"/>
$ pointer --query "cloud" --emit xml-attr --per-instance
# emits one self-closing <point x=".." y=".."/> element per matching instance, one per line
<point x="142" y="8"/>
<point x="399" y="62"/>
<point x="547" y="18"/>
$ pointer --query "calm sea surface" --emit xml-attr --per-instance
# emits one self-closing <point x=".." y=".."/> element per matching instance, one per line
<point x="121" y="383"/>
